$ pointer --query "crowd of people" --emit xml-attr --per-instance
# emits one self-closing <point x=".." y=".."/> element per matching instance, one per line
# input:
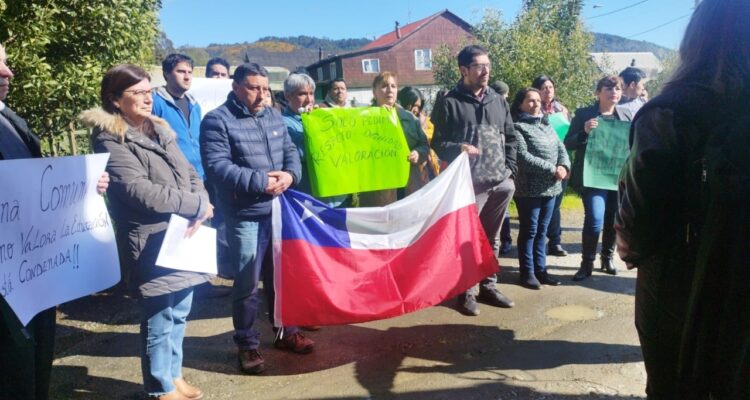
<point x="224" y="169"/>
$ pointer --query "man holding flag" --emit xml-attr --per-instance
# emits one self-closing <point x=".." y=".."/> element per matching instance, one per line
<point x="250" y="157"/>
<point x="473" y="118"/>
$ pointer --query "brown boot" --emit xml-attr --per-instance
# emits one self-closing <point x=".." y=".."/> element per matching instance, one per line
<point x="295" y="343"/>
<point x="187" y="389"/>
<point x="251" y="361"/>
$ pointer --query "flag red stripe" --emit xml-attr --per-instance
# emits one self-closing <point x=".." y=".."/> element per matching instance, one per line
<point x="331" y="286"/>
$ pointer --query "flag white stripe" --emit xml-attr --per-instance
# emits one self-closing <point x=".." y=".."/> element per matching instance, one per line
<point x="399" y="224"/>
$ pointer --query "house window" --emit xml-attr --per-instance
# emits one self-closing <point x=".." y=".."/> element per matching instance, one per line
<point x="320" y="73"/>
<point x="423" y="59"/>
<point x="332" y="70"/>
<point x="371" y="66"/>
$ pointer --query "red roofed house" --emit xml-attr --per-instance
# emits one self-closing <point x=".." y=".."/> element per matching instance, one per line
<point x="406" y="51"/>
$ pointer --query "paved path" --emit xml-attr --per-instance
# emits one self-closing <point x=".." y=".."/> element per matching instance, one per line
<point x="576" y="341"/>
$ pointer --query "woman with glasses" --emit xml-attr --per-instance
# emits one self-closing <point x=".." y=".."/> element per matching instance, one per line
<point x="150" y="181"/>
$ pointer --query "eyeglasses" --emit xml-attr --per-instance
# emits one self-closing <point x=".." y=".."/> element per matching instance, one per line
<point x="480" y="66"/>
<point x="139" y="93"/>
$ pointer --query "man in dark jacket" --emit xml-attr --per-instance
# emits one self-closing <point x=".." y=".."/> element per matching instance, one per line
<point x="249" y="156"/>
<point x="475" y="119"/>
<point x="26" y="353"/>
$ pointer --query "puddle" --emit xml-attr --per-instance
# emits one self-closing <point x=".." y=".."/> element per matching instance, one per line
<point x="573" y="313"/>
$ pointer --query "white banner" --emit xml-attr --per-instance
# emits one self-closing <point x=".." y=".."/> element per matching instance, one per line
<point x="210" y="93"/>
<point x="56" y="238"/>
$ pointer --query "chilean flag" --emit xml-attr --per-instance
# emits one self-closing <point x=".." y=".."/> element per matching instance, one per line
<point x="342" y="266"/>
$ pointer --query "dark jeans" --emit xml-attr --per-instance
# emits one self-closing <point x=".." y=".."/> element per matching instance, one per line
<point x="599" y="206"/>
<point x="554" y="230"/>
<point x="534" y="214"/>
<point x="25" y="368"/>
<point x="505" y="236"/>
<point x="492" y="204"/>
<point x="250" y="246"/>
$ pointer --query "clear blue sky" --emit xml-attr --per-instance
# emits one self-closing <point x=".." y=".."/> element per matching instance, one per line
<point x="200" y="22"/>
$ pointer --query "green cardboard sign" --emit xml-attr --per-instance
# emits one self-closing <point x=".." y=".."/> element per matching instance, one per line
<point x="559" y="122"/>
<point x="352" y="150"/>
<point x="606" y="152"/>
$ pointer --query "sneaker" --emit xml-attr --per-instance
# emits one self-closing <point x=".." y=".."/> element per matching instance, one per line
<point x="556" y="251"/>
<point x="529" y="281"/>
<point x="296" y="343"/>
<point x="495" y="298"/>
<point x="251" y="361"/>
<point x="505" y="247"/>
<point x="547" y="279"/>
<point x="467" y="305"/>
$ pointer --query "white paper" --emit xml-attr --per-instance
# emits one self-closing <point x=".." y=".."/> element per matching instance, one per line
<point x="196" y="254"/>
<point x="210" y="93"/>
<point x="56" y="238"/>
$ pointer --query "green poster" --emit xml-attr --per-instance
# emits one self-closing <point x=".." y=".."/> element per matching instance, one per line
<point x="560" y="124"/>
<point x="606" y="152"/>
<point x="352" y="150"/>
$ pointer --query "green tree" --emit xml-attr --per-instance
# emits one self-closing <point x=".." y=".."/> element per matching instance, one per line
<point x="59" y="51"/>
<point x="547" y="37"/>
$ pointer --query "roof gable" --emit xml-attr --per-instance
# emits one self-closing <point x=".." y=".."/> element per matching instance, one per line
<point x="390" y="39"/>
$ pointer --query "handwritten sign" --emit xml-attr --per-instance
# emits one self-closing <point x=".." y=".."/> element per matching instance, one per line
<point x="354" y="150"/>
<point x="56" y="238"/>
<point x="606" y="152"/>
<point x="210" y="93"/>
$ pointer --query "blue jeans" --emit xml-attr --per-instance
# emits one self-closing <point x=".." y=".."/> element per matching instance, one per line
<point x="250" y="250"/>
<point x="163" y="320"/>
<point x="554" y="231"/>
<point x="534" y="214"/>
<point x="599" y="206"/>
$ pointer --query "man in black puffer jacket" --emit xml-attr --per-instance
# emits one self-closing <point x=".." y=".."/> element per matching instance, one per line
<point x="474" y="118"/>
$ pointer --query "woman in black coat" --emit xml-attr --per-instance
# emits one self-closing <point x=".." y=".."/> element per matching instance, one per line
<point x="599" y="205"/>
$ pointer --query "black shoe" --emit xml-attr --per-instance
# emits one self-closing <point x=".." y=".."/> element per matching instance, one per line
<point x="529" y="281"/>
<point x="495" y="298"/>
<point x="467" y="305"/>
<point x="556" y="251"/>
<point x="505" y="247"/>
<point x="547" y="279"/>
<point x="585" y="271"/>
<point x="210" y="291"/>
<point x="608" y="265"/>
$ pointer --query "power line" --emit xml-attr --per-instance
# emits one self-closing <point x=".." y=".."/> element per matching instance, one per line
<point x="618" y="10"/>
<point x="660" y="26"/>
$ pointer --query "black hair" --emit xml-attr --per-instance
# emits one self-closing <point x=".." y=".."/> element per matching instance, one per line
<point x="248" y="69"/>
<point x="466" y="55"/>
<point x="541" y="80"/>
<point x="716" y="49"/>
<point x="632" y="74"/>
<point x="409" y="95"/>
<point x="515" y="107"/>
<point x="171" y="61"/>
<point x="215" y="61"/>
